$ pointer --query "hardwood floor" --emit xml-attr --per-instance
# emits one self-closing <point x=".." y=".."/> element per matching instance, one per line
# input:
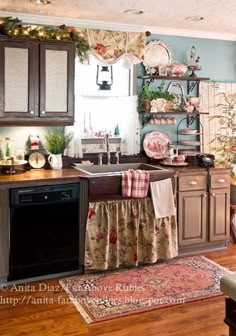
<point x="22" y="314"/>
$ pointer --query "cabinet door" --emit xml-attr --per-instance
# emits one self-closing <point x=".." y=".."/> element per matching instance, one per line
<point x="57" y="80"/>
<point x="192" y="217"/>
<point x="219" y="214"/>
<point x="18" y="77"/>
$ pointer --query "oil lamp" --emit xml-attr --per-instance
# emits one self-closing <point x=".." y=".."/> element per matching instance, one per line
<point x="104" y="77"/>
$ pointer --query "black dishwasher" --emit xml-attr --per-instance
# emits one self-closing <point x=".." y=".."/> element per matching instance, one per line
<point x="44" y="231"/>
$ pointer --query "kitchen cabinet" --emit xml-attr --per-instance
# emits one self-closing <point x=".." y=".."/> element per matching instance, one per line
<point x="192" y="209"/>
<point x="219" y="206"/>
<point x="36" y="82"/>
<point x="203" y="210"/>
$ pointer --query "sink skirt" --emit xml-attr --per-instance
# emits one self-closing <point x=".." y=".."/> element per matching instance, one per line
<point x="126" y="233"/>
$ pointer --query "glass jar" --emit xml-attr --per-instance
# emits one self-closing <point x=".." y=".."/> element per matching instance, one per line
<point x="2" y="149"/>
<point x="9" y="148"/>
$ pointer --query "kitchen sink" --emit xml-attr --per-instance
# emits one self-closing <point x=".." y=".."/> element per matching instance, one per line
<point x="115" y="169"/>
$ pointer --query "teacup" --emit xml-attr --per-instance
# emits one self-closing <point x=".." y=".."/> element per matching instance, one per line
<point x="180" y="158"/>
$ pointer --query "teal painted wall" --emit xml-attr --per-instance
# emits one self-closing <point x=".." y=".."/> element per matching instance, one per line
<point x="217" y="58"/>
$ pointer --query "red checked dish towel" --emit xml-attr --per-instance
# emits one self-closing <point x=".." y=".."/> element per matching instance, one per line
<point x="163" y="198"/>
<point x="135" y="183"/>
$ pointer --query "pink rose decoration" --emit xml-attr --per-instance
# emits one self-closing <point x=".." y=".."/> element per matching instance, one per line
<point x="100" y="48"/>
<point x="112" y="236"/>
<point x="91" y="213"/>
<point x="233" y="148"/>
<point x="99" y="235"/>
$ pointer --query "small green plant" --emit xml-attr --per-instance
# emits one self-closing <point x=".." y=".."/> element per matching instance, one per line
<point x="147" y="94"/>
<point x="56" y="141"/>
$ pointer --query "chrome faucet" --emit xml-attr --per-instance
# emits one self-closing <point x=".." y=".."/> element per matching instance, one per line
<point x="100" y="159"/>
<point x="117" y="157"/>
<point x="106" y="138"/>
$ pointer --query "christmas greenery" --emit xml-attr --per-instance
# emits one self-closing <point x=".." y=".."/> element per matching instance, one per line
<point x="13" y="27"/>
<point x="56" y="140"/>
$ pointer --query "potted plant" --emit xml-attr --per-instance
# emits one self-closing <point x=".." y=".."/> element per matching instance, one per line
<point x="145" y="96"/>
<point x="56" y="141"/>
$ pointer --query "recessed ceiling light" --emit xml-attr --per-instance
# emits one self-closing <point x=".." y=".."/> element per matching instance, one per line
<point x="133" y="11"/>
<point x="194" y="18"/>
<point x="42" y="2"/>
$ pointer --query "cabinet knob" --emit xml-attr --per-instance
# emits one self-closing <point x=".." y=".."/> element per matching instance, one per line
<point x="31" y="112"/>
<point x="43" y="112"/>
<point x="220" y="180"/>
<point x="192" y="182"/>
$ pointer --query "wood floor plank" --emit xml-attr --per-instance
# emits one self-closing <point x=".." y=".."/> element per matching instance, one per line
<point x="200" y="318"/>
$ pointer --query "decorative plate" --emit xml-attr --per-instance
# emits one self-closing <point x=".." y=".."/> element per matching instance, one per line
<point x="189" y="153"/>
<point x="188" y="131"/>
<point x="174" y="164"/>
<point x="190" y="143"/>
<point x="177" y="90"/>
<point x="9" y="162"/>
<point x="155" y="144"/>
<point x="156" y="53"/>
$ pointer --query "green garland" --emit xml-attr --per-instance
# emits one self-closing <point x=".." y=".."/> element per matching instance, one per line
<point x="13" y="27"/>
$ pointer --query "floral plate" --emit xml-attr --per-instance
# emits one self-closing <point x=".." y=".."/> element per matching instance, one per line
<point x="155" y="144"/>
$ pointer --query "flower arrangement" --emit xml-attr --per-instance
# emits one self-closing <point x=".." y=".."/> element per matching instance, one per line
<point x="13" y="27"/>
<point x="226" y="135"/>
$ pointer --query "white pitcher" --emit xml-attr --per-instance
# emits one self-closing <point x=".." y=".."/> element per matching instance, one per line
<point x="55" y="161"/>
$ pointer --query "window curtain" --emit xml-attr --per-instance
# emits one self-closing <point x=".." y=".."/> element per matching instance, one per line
<point x="109" y="46"/>
<point x="91" y="113"/>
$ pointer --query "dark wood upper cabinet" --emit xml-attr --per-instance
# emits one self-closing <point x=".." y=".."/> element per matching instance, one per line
<point x="36" y="82"/>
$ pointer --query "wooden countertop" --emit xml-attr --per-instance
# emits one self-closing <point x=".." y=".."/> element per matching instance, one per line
<point x="71" y="175"/>
<point x="40" y="176"/>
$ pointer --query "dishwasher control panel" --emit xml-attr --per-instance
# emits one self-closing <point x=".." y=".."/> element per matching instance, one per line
<point x="48" y="194"/>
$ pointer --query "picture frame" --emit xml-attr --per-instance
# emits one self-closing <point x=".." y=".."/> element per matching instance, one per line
<point x="162" y="70"/>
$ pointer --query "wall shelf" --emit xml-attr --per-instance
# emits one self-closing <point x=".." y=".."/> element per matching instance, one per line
<point x="171" y="113"/>
<point x="192" y="82"/>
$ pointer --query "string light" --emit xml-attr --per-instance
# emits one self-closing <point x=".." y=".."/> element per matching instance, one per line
<point x="13" y="27"/>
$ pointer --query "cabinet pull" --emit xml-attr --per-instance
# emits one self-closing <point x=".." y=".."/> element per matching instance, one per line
<point x="204" y="195"/>
<point x="31" y="112"/>
<point x="43" y="112"/>
<point x="213" y="194"/>
<point x="192" y="182"/>
<point x="220" y="180"/>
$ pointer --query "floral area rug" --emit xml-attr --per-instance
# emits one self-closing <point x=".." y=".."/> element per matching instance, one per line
<point x="112" y="294"/>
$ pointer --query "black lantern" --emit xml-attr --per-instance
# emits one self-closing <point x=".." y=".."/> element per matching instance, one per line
<point x="104" y="77"/>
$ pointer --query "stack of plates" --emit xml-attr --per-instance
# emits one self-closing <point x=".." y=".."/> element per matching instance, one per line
<point x="190" y="143"/>
<point x="189" y="153"/>
<point x="188" y="131"/>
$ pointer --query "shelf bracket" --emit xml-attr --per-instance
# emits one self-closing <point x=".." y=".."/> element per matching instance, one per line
<point x="191" y="85"/>
<point x="190" y="120"/>
<point x="145" y="120"/>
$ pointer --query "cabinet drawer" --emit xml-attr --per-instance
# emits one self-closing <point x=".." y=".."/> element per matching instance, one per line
<point x="220" y="180"/>
<point x="194" y="182"/>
